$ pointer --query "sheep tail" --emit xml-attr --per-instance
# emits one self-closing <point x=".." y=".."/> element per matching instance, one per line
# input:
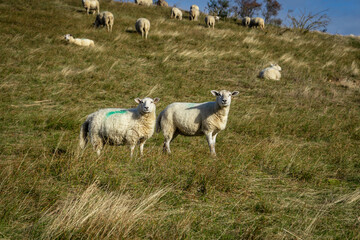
<point x="83" y="134"/>
<point x="158" y="122"/>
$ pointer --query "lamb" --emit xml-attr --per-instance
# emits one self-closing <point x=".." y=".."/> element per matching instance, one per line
<point x="194" y="12"/>
<point x="144" y="2"/>
<point x="91" y="5"/>
<point x="118" y="126"/>
<point x="176" y="13"/>
<point x="210" y="21"/>
<point x="246" y="21"/>
<point x="271" y="73"/>
<point x="79" y="41"/>
<point x="257" y="22"/>
<point x="142" y="26"/>
<point x="195" y="119"/>
<point x="162" y="3"/>
<point x="105" y="19"/>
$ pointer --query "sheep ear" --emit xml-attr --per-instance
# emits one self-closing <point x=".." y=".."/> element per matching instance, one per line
<point x="215" y="93"/>
<point x="235" y="93"/>
<point x="138" y="100"/>
<point x="156" y="100"/>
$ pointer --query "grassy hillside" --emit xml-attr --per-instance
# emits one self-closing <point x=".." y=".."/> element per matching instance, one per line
<point x="288" y="164"/>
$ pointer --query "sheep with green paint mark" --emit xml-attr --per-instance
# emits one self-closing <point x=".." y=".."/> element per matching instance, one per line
<point x="118" y="126"/>
<point x="195" y="119"/>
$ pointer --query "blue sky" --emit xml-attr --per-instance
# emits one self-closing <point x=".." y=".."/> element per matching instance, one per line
<point x="344" y="14"/>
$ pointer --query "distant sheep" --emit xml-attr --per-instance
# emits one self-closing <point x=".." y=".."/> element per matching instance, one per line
<point x="79" y="41"/>
<point x="91" y="5"/>
<point x="144" y="2"/>
<point x="105" y="19"/>
<point x="271" y="73"/>
<point x="194" y="13"/>
<point x="118" y="126"/>
<point x="217" y="18"/>
<point x="142" y="26"/>
<point x="210" y="21"/>
<point x="195" y="119"/>
<point x="246" y="21"/>
<point x="176" y="13"/>
<point x="257" y="22"/>
<point x="162" y="3"/>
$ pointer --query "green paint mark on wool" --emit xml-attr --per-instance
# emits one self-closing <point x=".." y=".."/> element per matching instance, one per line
<point x="115" y="112"/>
<point x="191" y="104"/>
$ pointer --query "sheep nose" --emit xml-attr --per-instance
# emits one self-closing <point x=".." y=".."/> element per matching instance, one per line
<point x="224" y="101"/>
<point x="146" y="108"/>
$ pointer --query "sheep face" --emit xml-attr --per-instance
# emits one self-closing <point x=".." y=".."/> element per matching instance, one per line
<point x="67" y="37"/>
<point x="147" y="105"/>
<point x="223" y="98"/>
<point x="276" y="66"/>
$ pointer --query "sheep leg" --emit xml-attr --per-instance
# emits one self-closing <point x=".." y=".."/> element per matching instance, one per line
<point x="211" y="143"/>
<point x="132" y="147"/>
<point x="142" y="143"/>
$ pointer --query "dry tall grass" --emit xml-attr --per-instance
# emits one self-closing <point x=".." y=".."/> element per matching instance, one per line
<point x="97" y="214"/>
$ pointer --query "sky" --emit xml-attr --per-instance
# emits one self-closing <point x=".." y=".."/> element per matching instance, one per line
<point x="344" y="14"/>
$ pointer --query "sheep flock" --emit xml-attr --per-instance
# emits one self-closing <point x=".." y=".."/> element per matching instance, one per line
<point x="134" y="126"/>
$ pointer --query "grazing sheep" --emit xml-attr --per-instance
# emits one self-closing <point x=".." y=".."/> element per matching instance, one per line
<point x="91" y="5"/>
<point x="194" y="13"/>
<point x="118" y="126"/>
<point x="144" y="2"/>
<point x="217" y="18"/>
<point x="105" y="19"/>
<point x="210" y="21"/>
<point x="176" y="13"/>
<point x="257" y="22"/>
<point x="79" y="41"/>
<point x="271" y="73"/>
<point x="162" y="3"/>
<point x="195" y="119"/>
<point x="246" y="21"/>
<point x="142" y="26"/>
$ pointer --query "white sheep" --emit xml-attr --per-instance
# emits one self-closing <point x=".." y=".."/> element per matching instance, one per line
<point x="195" y="119"/>
<point x="142" y="26"/>
<point x="176" y="13"/>
<point x="210" y="21"/>
<point x="246" y="21"/>
<point x="257" y="22"/>
<point x="144" y="2"/>
<point x="105" y="19"/>
<point x="79" y="41"/>
<point x="91" y="5"/>
<point x="217" y="18"/>
<point x="194" y="12"/>
<point x="118" y="126"/>
<point x="271" y="73"/>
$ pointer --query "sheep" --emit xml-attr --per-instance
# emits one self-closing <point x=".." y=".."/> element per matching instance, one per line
<point x="79" y="41"/>
<point x="271" y="73"/>
<point x="91" y="5"/>
<point x="195" y="119"/>
<point x="217" y="18"/>
<point x="210" y="21"/>
<point x="176" y="13"/>
<point x="194" y="13"/>
<point x="142" y="26"/>
<point x="105" y="19"/>
<point x="246" y="21"/>
<point x="257" y="22"/>
<point x="162" y="3"/>
<point x="118" y="126"/>
<point x="144" y="2"/>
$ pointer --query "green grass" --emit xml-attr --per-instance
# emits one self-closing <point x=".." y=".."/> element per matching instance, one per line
<point x="288" y="164"/>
